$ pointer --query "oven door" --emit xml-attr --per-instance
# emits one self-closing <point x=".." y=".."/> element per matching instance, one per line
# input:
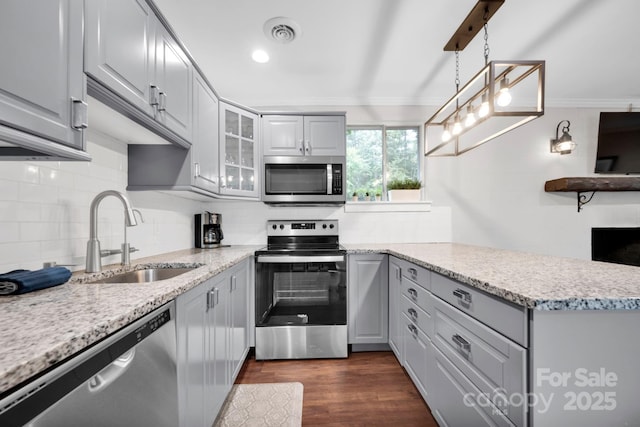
<point x="301" y="306"/>
<point x="301" y="290"/>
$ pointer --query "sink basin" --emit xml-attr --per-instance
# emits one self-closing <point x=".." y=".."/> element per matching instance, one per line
<point x="146" y="275"/>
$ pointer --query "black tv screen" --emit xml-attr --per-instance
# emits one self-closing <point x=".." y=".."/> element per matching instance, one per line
<point x="618" y="143"/>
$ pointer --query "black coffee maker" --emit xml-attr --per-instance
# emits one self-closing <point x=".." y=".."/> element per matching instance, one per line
<point x="208" y="229"/>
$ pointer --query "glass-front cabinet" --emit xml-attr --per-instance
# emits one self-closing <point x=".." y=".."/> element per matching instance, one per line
<point x="239" y="163"/>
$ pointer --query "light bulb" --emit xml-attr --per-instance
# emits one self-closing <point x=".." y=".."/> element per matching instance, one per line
<point x="457" y="127"/>
<point x="504" y="97"/>
<point x="446" y="135"/>
<point x="484" y="107"/>
<point x="470" y="120"/>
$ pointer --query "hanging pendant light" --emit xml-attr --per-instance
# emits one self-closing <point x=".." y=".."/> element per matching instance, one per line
<point x="510" y="94"/>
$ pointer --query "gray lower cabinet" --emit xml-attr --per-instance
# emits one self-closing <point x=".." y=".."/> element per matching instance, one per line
<point x="135" y="66"/>
<point x="168" y="167"/>
<point x="42" y="85"/>
<point x="212" y="338"/>
<point x="395" y="325"/>
<point x="368" y="299"/>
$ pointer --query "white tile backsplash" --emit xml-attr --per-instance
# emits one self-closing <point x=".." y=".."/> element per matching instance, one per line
<point x="44" y="214"/>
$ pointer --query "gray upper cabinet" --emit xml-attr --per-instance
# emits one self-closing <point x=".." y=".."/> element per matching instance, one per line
<point x="308" y="135"/>
<point x="173" y="77"/>
<point x="135" y="66"/>
<point x="205" y="137"/>
<point x="42" y="90"/>
<point x="120" y="48"/>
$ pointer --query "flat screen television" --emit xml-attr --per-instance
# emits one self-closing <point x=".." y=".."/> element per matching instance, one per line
<point x="618" y="143"/>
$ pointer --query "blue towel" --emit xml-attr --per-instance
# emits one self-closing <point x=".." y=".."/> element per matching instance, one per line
<point x="22" y="281"/>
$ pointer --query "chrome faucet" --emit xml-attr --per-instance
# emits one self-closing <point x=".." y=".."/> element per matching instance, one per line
<point x="94" y="260"/>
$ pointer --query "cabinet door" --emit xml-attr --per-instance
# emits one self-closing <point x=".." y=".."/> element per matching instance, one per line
<point x="218" y="375"/>
<point x="173" y="76"/>
<point x="417" y="355"/>
<point x="205" y="137"/>
<point x="324" y="135"/>
<point x="395" y="290"/>
<point x="239" y="327"/>
<point x="192" y="340"/>
<point x="41" y="51"/>
<point x="282" y="135"/>
<point x="368" y="299"/>
<point x="238" y="152"/>
<point x="120" y="48"/>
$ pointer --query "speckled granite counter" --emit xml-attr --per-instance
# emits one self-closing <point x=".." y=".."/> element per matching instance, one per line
<point x="535" y="281"/>
<point x="40" y="329"/>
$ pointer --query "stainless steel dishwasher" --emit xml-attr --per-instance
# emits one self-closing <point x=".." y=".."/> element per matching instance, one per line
<point x="128" y="379"/>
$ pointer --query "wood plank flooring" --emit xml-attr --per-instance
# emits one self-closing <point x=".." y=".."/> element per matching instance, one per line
<point x="365" y="389"/>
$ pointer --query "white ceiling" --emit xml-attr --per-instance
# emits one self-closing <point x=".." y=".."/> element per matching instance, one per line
<point x="390" y="52"/>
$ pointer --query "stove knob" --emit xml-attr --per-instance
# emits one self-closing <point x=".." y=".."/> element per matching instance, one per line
<point x="281" y="226"/>
<point x="274" y="226"/>
<point x="324" y="225"/>
<point x="331" y="226"/>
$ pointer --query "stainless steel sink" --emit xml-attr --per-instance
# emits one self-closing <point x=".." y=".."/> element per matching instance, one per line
<point x="146" y="275"/>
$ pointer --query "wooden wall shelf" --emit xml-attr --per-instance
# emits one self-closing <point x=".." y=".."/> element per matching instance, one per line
<point x="592" y="184"/>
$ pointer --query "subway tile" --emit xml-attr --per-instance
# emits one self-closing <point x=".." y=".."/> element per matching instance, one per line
<point x="9" y="190"/>
<point x="38" y="193"/>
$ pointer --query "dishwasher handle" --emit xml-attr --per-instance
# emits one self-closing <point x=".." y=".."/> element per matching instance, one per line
<point x="286" y="259"/>
<point x="108" y="375"/>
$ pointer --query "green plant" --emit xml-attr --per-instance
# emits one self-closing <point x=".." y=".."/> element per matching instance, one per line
<point x="355" y="194"/>
<point x="404" y="184"/>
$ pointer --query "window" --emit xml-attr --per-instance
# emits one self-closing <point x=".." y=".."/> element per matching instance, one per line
<point x="379" y="154"/>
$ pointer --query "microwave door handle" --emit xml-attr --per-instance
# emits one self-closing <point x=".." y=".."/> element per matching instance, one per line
<point x="329" y="179"/>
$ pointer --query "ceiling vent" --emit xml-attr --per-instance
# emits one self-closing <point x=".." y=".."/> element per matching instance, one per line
<point x="282" y="30"/>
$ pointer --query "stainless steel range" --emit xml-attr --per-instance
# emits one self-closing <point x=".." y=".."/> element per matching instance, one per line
<point x="301" y="292"/>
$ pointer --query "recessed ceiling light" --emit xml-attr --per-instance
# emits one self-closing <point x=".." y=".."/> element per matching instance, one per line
<point x="260" y="56"/>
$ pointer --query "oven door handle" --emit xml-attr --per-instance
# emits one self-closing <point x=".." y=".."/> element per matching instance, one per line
<point x="287" y="259"/>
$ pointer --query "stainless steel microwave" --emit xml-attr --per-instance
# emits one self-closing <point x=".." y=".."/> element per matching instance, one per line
<point x="314" y="180"/>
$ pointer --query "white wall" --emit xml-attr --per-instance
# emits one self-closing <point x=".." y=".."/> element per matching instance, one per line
<point x="496" y="191"/>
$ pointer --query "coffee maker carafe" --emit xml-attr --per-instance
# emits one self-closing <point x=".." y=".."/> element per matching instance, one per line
<point x="208" y="228"/>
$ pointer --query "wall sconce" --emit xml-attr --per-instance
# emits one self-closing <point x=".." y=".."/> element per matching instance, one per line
<point x="563" y="144"/>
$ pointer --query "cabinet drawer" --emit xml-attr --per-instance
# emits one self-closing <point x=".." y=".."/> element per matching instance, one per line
<point x="417" y="294"/>
<point x="507" y="318"/>
<point x="420" y="317"/>
<point x="494" y="364"/>
<point x="415" y="273"/>
<point x="417" y="348"/>
<point x="455" y="403"/>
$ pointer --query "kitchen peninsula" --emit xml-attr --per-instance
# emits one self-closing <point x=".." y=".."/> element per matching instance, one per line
<point x="578" y="315"/>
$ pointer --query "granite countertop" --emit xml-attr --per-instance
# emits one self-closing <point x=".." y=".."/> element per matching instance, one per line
<point x="43" y="328"/>
<point x="539" y="282"/>
<point x="40" y="329"/>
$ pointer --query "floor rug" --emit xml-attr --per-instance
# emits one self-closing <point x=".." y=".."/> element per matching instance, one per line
<point x="262" y="405"/>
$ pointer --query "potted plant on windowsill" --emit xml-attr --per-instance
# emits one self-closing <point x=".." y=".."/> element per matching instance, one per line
<point x="404" y="190"/>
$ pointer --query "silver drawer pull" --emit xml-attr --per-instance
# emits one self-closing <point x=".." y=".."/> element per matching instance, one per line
<point x="413" y="272"/>
<point x="413" y="313"/>
<point x="463" y="295"/>
<point x="412" y="329"/>
<point x="413" y="293"/>
<point x="461" y="343"/>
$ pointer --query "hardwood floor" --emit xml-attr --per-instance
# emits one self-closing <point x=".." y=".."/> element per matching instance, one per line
<point x="365" y="389"/>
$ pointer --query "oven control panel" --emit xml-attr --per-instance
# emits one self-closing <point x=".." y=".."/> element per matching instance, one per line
<point x="321" y="227"/>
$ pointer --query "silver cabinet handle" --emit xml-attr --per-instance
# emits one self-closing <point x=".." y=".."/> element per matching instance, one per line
<point x="413" y="272"/>
<point x="412" y="329"/>
<point x="463" y="295"/>
<point x="413" y="293"/>
<point x="162" y="102"/>
<point x="413" y="313"/>
<point x="301" y="149"/>
<point x="212" y="298"/>
<point x="79" y="114"/>
<point x="462" y="344"/>
<point x="196" y="169"/>
<point x="154" y="95"/>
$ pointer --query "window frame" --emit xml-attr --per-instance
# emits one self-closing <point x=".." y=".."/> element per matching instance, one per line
<point x="384" y="128"/>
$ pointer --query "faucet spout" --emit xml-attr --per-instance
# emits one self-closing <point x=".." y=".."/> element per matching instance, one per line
<point x="94" y="262"/>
